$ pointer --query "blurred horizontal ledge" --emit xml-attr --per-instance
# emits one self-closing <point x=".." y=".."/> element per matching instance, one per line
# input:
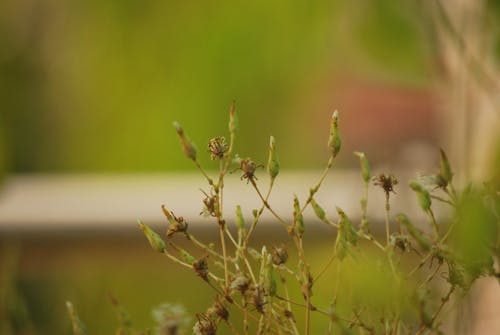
<point x="66" y="203"/>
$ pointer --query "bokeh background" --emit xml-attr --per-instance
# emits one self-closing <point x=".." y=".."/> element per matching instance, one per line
<point x="92" y="87"/>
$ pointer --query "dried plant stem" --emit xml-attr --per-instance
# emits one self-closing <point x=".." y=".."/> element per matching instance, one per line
<point x="202" y="246"/>
<point x="318" y="184"/>
<point x="434" y="223"/>
<point x="438" y="198"/>
<point x="224" y="253"/>
<point x="370" y="238"/>
<point x="430" y="277"/>
<point x="387" y="212"/>
<point x="204" y="173"/>
<point x="265" y="203"/>
<point x="289" y="304"/>
<point x="259" y="213"/>
<point x="308" y="313"/>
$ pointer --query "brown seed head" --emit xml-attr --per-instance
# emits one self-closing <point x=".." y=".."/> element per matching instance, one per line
<point x="217" y="147"/>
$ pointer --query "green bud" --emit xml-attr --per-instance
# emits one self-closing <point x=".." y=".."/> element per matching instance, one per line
<point x="78" y="326"/>
<point x="334" y="140"/>
<point x="298" y="219"/>
<point x="424" y="198"/>
<point x="187" y="256"/>
<point x="445" y="168"/>
<point x="154" y="239"/>
<point x="273" y="164"/>
<point x="365" y="166"/>
<point x="240" y="221"/>
<point x="320" y="212"/>
<point x="270" y="282"/>
<point x="347" y="227"/>
<point x="187" y="146"/>
<point x="233" y="119"/>
<point x="414" y="232"/>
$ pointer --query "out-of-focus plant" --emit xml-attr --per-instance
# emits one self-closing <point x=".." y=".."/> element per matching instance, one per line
<point x="398" y="284"/>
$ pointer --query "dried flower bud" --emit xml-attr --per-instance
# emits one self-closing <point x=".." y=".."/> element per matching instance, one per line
<point x="217" y="147"/>
<point x="218" y="309"/>
<point x="365" y="166"/>
<point x="240" y="283"/>
<point x="187" y="146"/>
<point x="210" y="205"/>
<point x="400" y="241"/>
<point x="258" y="298"/>
<point x="424" y="198"/>
<point x="279" y="255"/>
<point x="78" y="326"/>
<point x="176" y="224"/>
<point x="320" y="212"/>
<point x="273" y="164"/>
<point x="298" y="219"/>
<point x="387" y="182"/>
<point x="334" y="140"/>
<point x="154" y="239"/>
<point x="200" y="266"/>
<point x="248" y="167"/>
<point x="204" y="326"/>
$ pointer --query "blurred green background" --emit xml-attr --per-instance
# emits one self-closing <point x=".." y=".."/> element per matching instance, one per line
<point x="94" y="85"/>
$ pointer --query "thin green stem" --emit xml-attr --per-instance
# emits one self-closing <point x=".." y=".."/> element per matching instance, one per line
<point x="315" y="189"/>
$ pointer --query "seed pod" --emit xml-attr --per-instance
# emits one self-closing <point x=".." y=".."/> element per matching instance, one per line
<point x="334" y="140"/>
<point x="298" y="219"/>
<point x="445" y="168"/>
<point x="320" y="212"/>
<point x="188" y="258"/>
<point x="240" y="221"/>
<point x="187" y="146"/>
<point x="270" y="281"/>
<point x="365" y="166"/>
<point x="78" y="326"/>
<point x="154" y="239"/>
<point x="345" y="224"/>
<point x="418" y="235"/>
<point x="424" y="198"/>
<point x="233" y="119"/>
<point x="273" y="164"/>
